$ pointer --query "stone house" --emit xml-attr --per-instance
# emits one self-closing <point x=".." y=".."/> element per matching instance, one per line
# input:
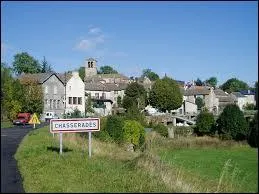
<point x="250" y="96"/>
<point x="53" y="91"/>
<point x="239" y="99"/>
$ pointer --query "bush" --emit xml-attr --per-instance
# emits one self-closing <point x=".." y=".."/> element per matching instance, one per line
<point x="114" y="127"/>
<point x="253" y="133"/>
<point x="133" y="132"/>
<point x="161" y="129"/>
<point x="183" y="131"/>
<point x="75" y="114"/>
<point x="204" y="124"/>
<point x="103" y="133"/>
<point x="133" y="113"/>
<point x="249" y="106"/>
<point x="232" y="123"/>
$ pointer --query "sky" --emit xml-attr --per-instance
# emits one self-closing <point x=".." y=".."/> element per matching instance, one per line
<point x="184" y="40"/>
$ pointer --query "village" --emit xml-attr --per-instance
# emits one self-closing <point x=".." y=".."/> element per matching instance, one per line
<point x="64" y="93"/>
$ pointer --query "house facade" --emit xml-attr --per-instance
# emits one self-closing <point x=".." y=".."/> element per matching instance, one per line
<point x="75" y="92"/>
<point x="53" y="91"/>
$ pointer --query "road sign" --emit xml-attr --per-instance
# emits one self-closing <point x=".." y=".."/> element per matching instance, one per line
<point x="34" y="120"/>
<point x="75" y="125"/>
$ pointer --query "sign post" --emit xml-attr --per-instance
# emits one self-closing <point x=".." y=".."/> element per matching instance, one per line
<point x="75" y="125"/>
<point x="89" y="144"/>
<point x="60" y="143"/>
<point x="34" y="120"/>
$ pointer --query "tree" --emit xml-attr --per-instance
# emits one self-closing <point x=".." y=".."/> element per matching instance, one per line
<point x="205" y="123"/>
<point x="234" y="85"/>
<point x="256" y="94"/>
<point x="133" y="132"/>
<point x="114" y="127"/>
<point x="212" y="81"/>
<point x="33" y="94"/>
<point x="198" y="82"/>
<point x="199" y="102"/>
<point x="232" y="123"/>
<point x="89" y="106"/>
<point x="165" y="95"/>
<point x="253" y="133"/>
<point x="135" y="94"/>
<point x="45" y="66"/>
<point x="106" y="70"/>
<point x="81" y="71"/>
<point x="76" y="113"/>
<point x="24" y="63"/>
<point x="119" y="101"/>
<point x="150" y="74"/>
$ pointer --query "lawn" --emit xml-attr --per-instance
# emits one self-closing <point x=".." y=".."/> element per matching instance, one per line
<point x="6" y="124"/>
<point x="236" y="166"/>
<point x="111" y="169"/>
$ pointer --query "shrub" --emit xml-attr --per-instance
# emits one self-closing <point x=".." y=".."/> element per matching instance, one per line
<point x="133" y="132"/>
<point x="133" y="113"/>
<point x="232" y="123"/>
<point x="249" y="106"/>
<point x="183" y="131"/>
<point x="75" y="114"/>
<point x="114" y="127"/>
<point x="253" y="133"/>
<point x="204" y="124"/>
<point x="161" y="129"/>
<point x="103" y="133"/>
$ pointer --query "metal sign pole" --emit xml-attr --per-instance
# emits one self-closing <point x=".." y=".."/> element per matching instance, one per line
<point x="89" y="143"/>
<point x="33" y="125"/>
<point x="60" y="143"/>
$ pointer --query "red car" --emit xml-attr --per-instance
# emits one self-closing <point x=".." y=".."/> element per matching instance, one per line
<point x="22" y="119"/>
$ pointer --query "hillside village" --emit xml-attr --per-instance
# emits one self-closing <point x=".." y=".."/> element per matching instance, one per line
<point x="63" y="93"/>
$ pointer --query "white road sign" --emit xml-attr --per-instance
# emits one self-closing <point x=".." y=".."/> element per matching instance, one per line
<point x="74" y="125"/>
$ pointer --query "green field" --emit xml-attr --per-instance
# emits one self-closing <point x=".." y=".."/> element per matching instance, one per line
<point x="111" y="169"/>
<point x="177" y="165"/>
<point x="237" y="166"/>
<point x="6" y="124"/>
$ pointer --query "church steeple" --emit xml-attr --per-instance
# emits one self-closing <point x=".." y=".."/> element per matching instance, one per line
<point x="90" y="68"/>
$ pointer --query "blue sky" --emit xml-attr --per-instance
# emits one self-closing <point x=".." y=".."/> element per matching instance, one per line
<point x="185" y="40"/>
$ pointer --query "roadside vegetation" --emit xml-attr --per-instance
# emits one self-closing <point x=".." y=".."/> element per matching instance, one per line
<point x="6" y="124"/>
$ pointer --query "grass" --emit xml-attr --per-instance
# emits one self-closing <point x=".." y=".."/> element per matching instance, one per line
<point x="190" y="164"/>
<point x="213" y="165"/>
<point x="111" y="169"/>
<point x="6" y="124"/>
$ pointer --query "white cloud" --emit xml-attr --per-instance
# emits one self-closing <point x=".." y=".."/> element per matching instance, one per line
<point x="94" y="31"/>
<point x="90" y="43"/>
<point x="94" y="38"/>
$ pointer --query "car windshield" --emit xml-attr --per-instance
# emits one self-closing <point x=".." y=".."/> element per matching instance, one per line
<point x="21" y="118"/>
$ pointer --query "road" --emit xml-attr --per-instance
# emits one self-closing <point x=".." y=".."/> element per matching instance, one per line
<point x="11" y="181"/>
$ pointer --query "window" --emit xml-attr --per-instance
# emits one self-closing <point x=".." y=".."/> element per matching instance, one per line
<point x="70" y="100"/>
<point x="69" y="88"/>
<point x="58" y="104"/>
<point x="79" y="100"/>
<point x="103" y="95"/>
<point x="54" y="104"/>
<point x="46" y="101"/>
<point x="50" y="103"/>
<point x="89" y="64"/>
<point x="97" y="95"/>
<point x="115" y="92"/>
<point x="46" y="89"/>
<point x="55" y="89"/>
<point x="74" y="100"/>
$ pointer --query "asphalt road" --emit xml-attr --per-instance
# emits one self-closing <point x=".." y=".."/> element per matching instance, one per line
<point x="11" y="181"/>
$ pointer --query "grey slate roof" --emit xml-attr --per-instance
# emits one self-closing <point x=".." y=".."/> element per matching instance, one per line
<point x="238" y="94"/>
<point x="105" y="87"/>
<point x="40" y="77"/>
<point x="197" y="91"/>
<point x="225" y="99"/>
<point x="219" y="92"/>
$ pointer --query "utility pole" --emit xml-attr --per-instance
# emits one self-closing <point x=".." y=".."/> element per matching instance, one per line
<point x="65" y="95"/>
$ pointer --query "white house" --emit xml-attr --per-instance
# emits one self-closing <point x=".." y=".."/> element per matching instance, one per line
<point x="240" y="99"/>
<point x="75" y="93"/>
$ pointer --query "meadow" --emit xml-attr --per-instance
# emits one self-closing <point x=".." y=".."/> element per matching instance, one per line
<point x="190" y="164"/>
